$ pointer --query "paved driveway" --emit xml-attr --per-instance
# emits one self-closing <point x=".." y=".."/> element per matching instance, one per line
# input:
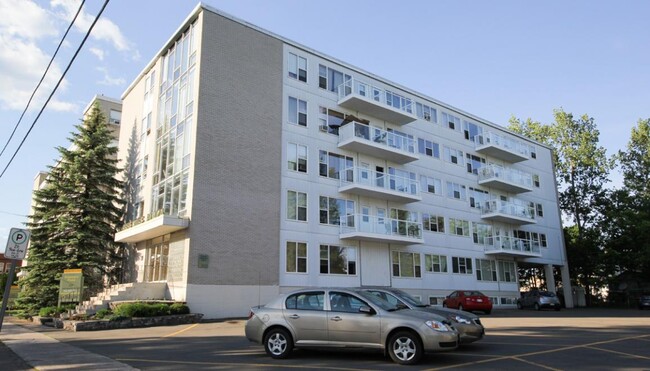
<point x="578" y="339"/>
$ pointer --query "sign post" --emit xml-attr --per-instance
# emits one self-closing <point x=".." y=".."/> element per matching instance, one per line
<point x="16" y="250"/>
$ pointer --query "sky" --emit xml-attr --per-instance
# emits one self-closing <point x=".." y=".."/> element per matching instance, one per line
<point x="494" y="59"/>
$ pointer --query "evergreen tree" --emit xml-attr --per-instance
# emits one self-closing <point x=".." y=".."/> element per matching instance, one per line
<point x="76" y="215"/>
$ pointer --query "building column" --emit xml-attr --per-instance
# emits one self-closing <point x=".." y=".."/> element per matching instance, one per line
<point x="566" y="286"/>
<point x="550" y="279"/>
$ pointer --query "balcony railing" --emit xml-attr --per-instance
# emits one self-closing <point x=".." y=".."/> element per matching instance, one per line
<point x="153" y="225"/>
<point x="512" y="246"/>
<point x="365" y="182"/>
<point x="507" y="212"/>
<point x="506" y="179"/>
<point x="502" y="147"/>
<point x="376" y="101"/>
<point x="377" y="143"/>
<point x="380" y="229"/>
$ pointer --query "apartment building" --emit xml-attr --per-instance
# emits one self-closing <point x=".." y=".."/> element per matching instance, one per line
<point x="263" y="165"/>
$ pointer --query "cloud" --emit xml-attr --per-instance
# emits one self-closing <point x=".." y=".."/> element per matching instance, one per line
<point x="99" y="53"/>
<point x="62" y="106"/>
<point x="108" y="80"/>
<point x="26" y="20"/>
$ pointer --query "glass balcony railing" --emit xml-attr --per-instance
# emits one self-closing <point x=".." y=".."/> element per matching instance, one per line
<point x="382" y="229"/>
<point x="366" y="182"/>
<point x="502" y="147"/>
<point x="377" y="142"/>
<point x="512" y="245"/>
<point x="504" y="178"/>
<point x="376" y="101"/>
<point x="507" y="211"/>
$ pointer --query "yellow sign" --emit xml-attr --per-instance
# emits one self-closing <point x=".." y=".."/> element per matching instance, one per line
<point x="71" y="286"/>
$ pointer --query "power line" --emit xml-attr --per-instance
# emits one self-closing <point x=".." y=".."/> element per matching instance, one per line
<point x="55" y="87"/>
<point x="42" y="77"/>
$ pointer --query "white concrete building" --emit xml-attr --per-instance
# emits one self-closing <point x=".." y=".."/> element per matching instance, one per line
<point x="264" y="165"/>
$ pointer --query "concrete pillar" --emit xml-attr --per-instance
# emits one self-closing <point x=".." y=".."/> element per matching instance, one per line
<point x="566" y="286"/>
<point x="550" y="279"/>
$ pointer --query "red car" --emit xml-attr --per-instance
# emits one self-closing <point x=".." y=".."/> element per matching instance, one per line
<point x="468" y="300"/>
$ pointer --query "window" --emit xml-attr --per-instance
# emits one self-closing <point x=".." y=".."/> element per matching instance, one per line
<point x="331" y="165"/>
<point x="306" y="301"/>
<point x="342" y="302"/>
<point x="481" y="233"/>
<point x="454" y="156"/>
<point x="486" y="270"/>
<point x="474" y="163"/>
<point x="471" y="130"/>
<point x="426" y="113"/>
<point x="461" y="265"/>
<point x="406" y="264"/>
<point x="297" y="206"/>
<point x="478" y="197"/>
<point x="403" y="181"/>
<point x="329" y="120"/>
<point x="332" y="209"/>
<point x="540" y="210"/>
<point x="507" y="272"/>
<point x="433" y="223"/>
<point x="536" y="180"/>
<point x="115" y="117"/>
<point x="542" y="239"/>
<point x="405" y="223"/>
<point x="296" y="257"/>
<point x="429" y="148"/>
<point x="435" y="263"/>
<point x="457" y="191"/>
<point x="436" y="300"/>
<point x="331" y="79"/>
<point x="508" y="300"/>
<point x="297" y="67"/>
<point x="459" y="227"/>
<point x="297" y="112"/>
<point x="533" y="152"/>
<point x="297" y="157"/>
<point x="451" y="121"/>
<point x="397" y="101"/>
<point x="431" y="185"/>
<point x="338" y="260"/>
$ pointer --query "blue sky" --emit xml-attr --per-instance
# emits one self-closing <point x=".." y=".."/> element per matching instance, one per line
<point x="493" y="59"/>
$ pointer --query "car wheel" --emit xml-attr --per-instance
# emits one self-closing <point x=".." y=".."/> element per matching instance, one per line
<point x="278" y="343"/>
<point x="537" y="307"/>
<point x="519" y="306"/>
<point x="460" y="306"/>
<point x="405" y="348"/>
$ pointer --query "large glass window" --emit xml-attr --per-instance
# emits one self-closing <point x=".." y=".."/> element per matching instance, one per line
<point x="433" y="223"/>
<point x="477" y="197"/>
<point x="332" y="209"/>
<point x="459" y="227"/>
<point x="453" y="156"/>
<point x="471" y="130"/>
<point x="338" y="260"/>
<point x="406" y="264"/>
<point x="474" y="163"/>
<point x="431" y="185"/>
<point x="435" y="263"/>
<point x="451" y="121"/>
<point x="481" y="233"/>
<point x="429" y="148"/>
<point x="296" y="257"/>
<point x="461" y="265"/>
<point x="156" y="259"/>
<point x="425" y="112"/>
<point x="457" y="191"/>
<point x="486" y="270"/>
<point x="297" y="206"/>
<point x="297" y="67"/>
<point x="329" y="120"/>
<point x="507" y="271"/>
<point x="297" y="157"/>
<point x="331" y="79"/>
<point x="297" y="111"/>
<point x="331" y="165"/>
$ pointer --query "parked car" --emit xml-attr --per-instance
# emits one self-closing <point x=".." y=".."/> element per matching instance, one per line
<point x="538" y="300"/>
<point x="468" y="300"/>
<point x="467" y="324"/>
<point x="337" y="317"/>
<point x="644" y="301"/>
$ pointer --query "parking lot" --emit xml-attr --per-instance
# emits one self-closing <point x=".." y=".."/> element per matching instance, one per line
<point x="581" y="339"/>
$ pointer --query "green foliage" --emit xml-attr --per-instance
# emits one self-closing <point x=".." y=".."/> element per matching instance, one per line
<point x="75" y="216"/>
<point x="139" y="309"/>
<point x="178" y="308"/>
<point x="48" y="312"/>
<point x="103" y="313"/>
<point x="116" y="318"/>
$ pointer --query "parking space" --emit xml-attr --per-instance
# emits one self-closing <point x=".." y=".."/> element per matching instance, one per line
<point x="516" y="340"/>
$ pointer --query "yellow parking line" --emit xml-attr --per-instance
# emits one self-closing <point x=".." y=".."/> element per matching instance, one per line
<point x="621" y="353"/>
<point x="180" y="331"/>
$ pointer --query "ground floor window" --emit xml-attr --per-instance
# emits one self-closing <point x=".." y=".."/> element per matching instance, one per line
<point x="406" y="264"/>
<point x="296" y="257"/>
<point x="338" y="260"/>
<point x="156" y="258"/>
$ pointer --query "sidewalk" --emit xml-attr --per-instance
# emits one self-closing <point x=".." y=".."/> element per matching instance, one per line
<point x="24" y="349"/>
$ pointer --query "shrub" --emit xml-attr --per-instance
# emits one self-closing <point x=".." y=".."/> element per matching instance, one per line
<point x="48" y="311"/>
<point x="178" y="308"/>
<point x="103" y="313"/>
<point x="115" y="318"/>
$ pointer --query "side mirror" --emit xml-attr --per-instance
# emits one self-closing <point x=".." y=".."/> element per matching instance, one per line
<point x="366" y="310"/>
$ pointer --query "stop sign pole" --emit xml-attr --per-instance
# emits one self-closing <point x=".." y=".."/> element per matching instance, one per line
<point x="16" y="250"/>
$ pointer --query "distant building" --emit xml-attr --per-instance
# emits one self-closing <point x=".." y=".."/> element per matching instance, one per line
<point x="263" y="165"/>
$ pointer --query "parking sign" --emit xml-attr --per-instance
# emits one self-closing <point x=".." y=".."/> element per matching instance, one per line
<point x="17" y="244"/>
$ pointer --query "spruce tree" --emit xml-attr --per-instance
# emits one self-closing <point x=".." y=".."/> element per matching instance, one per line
<point x="75" y="216"/>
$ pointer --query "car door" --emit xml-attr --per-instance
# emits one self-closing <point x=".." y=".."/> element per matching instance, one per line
<point x="346" y="325"/>
<point x="452" y="300"/>
<point x="305" y="314"/>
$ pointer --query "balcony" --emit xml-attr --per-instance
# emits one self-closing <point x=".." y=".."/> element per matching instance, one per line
<point x="152" y="226"/>
<point x="501" y="147"/>
<point x="512" y="246"/>
<point x="377" y="143"/>
<point x="505" y="179"/>
<point x="368" y="183"/>
<point x="363" y="227"/>
<point x="507" y="212"/>
<point x="377" y="102"/>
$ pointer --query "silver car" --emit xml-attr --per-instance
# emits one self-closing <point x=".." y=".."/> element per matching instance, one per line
<point x="467" y="324"/>
<point x="538" y="300"/>
<point x="338" y="317"/>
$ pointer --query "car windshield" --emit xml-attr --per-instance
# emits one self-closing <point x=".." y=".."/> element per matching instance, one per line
<point x="473" y="293"/>
<point x="408" y="298"/>
<point x="376" y="300"/>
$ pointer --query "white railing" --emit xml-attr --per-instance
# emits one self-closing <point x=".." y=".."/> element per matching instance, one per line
<point x="512" y="244"/>
<point x="384" y="181"/>
<point x="373" y="93"/>
<point x="373" y="224"/>
<point x="508" y="208"/>
<point x="502" y="141"/>
<point x="505" y="174"/>
<point x="377" y="136"/>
